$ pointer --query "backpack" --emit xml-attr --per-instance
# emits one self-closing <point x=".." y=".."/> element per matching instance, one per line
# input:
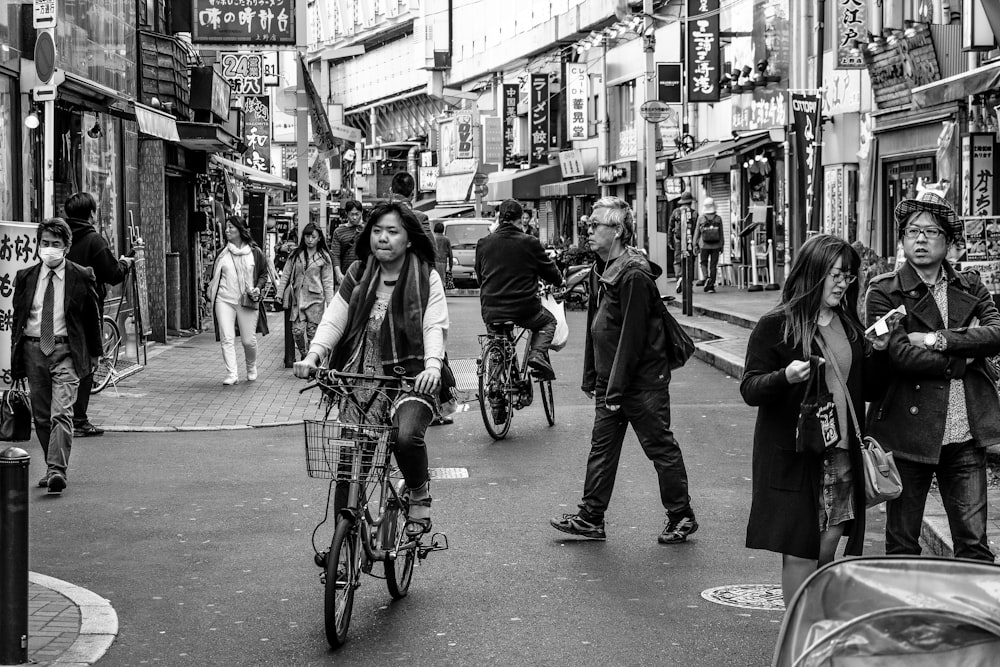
<point x="711" y="230"/>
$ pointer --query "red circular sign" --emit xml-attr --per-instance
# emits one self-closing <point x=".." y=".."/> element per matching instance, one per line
<point x="45" y="56"/>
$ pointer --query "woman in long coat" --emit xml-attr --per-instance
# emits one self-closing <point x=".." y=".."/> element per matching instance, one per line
<point x="306" y="286"/>
<point x="803" y="503"/>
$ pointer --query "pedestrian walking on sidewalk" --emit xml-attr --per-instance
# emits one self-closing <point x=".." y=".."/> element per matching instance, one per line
<point x="56" y="339"/>
<point x="941" y="410"/>
<point x="238" y="278"/>
<point x="344" y="239"/>
<point x="391" y="313"/>
<point x="306" y="286"/>
<point x="683" y="212"/>
<point x="91" y="250"/>
<point x="804" y="502"/>
<point x="708" y="242"/>
<point x="627" y="372"/>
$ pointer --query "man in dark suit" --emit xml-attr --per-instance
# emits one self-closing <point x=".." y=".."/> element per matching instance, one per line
<point x="89" y="249"/>
<point x="55" y="339"/>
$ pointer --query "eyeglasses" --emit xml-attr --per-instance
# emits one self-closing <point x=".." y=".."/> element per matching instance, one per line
<point x="930" y="233"/>
<point x="591" y="226"/>
<point x="837" y="276"/>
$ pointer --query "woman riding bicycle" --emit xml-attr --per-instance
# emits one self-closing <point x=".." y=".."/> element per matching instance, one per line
<point x="390" y="315"/>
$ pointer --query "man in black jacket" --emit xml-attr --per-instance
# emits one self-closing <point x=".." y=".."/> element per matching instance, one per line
<point x="509" y="264"/>
<point x="91" y="250"/>
<point x="627" y="371"/>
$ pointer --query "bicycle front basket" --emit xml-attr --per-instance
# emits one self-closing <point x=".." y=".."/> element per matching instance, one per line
<point x="347" y="452"/>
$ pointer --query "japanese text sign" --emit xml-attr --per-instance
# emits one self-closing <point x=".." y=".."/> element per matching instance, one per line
<point x="703" y="47"/>
<point x="577" y="94"/>
<point x="257" y="132"/>
<point x="850" y="25"/>
<point x="17" y="251"/>
<point x="243" y="22"/>
<point x="978" y="174"/>
<point x="509" y="110"/>
<point x="668" y="83"/>
<point x="805" y="123"/>
<point x="244" y="72"/>
<point x="538" y="114"/>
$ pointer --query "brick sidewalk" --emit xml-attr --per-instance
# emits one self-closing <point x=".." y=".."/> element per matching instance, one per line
<point x="53" y="624"/>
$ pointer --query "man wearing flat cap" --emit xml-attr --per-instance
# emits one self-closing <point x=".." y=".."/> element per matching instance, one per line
<point x="941" y="409"/>
<point x="683" y="210"/>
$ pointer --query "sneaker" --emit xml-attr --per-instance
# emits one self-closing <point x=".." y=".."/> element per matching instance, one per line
<point x="699" y="283"/>
<point x="56" y="483"/>
<point x="680" y="287"/>
<point x="252" y="373"/>
<point x="44" y="481"/>
<point x="230" y="380"/>
<point x="677" y="530"/>
<point x="574" y="524"/>
<point x="709" y="290"/>
<point x="87" y="430"/>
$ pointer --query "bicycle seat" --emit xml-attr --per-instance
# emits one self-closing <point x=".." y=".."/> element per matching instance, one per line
<point x="501" y="327"/>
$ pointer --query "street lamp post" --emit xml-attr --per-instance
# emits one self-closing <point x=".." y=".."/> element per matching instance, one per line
<point x="649" y="46"/>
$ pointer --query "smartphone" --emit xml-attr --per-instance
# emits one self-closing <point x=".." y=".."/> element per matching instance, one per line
<point x="885" y="324"/>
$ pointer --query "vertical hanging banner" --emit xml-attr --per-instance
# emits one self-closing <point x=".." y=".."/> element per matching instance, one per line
<point x="257" y="132"/>
<point x="323" y="139"/>
<point x="805" y="121"/>
<point x="703" y="50"/>
<point x="463" y="136"/>
<point x="509" y="110"/>
<point x="17" y="251"/>
<point x="577" y="94"/>
<point x="538" y="115"/>
<point x="850" y="24"/>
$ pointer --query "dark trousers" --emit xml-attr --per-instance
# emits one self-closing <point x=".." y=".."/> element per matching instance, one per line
<point x="649" y="414"/>
<point x="961" y="475"/>
<point x="542" y="326"/>
<point x="412" y="417"/>
<point x="53" y="382"/>
<point x="710" y="266"/>
<point x="82" y="401"/>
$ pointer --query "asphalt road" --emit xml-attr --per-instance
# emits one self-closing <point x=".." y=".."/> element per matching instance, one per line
<point x="201" y="541"/>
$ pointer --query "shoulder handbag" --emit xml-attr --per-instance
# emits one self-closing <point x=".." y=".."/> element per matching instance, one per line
<point x="882" y="480"/>
<point x="818" y="426"/>
<point x="680" y="347"/>
<point x="15" y="414"/>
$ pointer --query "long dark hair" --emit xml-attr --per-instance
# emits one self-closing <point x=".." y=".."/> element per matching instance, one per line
<point x="802" y="295"/>
<point x="321" y="247"/>
<point x="420" y="244"/>
<point x="242" y="228"/>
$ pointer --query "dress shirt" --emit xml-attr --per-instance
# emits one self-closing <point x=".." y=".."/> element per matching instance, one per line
<point x="34" y="325"/>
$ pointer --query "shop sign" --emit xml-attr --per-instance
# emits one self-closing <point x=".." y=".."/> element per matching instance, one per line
<point x="669" y="77"/>
<point x="850" y="25"/>
<point x="492" y="128"/>
<point x="463" y="136"/>
<point x="509" y="110"/>
<point x="763" y="109"/>
<point x="244" y="72"/>
<point x="577" y="95"/>
<point x="842" y="89"/>
<point x="833" y="200"/>
<point x="243" y="22"/>
<point x="538" y="115"/>
<point x="17" y="251"/>
<point x="428" y="178"/>
<point x="571" y="164"/>
<point x="703" y="45"/>
<point x="257" y="132"/>
<point x="673" y="186"/>
<point x="43" y="14"/>
<point x="616" y="174"/>
<point x="898" y="66"/>
<point x="979" y="174"/>
<point x="805" y="124"/>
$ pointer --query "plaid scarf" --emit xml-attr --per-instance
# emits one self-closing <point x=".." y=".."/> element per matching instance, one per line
<point x="402" y="333"/>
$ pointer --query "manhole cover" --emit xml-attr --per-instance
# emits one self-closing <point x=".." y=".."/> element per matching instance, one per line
<point x="747" y="596"/>
<point x="449" y="473"/>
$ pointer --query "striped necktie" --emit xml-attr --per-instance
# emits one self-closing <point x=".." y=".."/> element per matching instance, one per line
<point x="48" y="337"/>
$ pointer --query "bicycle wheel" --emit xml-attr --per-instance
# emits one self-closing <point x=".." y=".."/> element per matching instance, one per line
<point x="343" y="570"/>
<point x="111" y="341"/>
<point x="545" y="389"/>
<point x="398" y="570"/>
<point x="494" y="401"/>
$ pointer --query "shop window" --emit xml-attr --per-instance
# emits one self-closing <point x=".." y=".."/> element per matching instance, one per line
<point x="901" y="180"/>
<point x="8" y="191"/>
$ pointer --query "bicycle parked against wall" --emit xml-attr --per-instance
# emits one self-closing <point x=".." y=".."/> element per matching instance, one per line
<point x="106" y="371"/>
<point x="351" y="444"/>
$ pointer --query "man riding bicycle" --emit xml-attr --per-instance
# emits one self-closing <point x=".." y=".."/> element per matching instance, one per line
<point x="509" y="264"/>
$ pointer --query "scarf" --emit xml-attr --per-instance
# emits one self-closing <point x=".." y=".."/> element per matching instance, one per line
<point x="402" y="334"/>
<point x="239" y="257"/>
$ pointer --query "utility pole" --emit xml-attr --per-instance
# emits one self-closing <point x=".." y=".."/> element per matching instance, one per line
<point x="817" y="202"/>
<point x="302" y="118"/>
<point x="649" y="46"/>
<point x="606" y="114"/>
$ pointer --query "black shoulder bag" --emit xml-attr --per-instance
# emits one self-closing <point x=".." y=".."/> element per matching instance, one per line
<point x="818" y="427"/>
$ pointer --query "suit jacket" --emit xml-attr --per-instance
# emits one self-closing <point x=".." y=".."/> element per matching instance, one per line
<point x="910" y="419"/>
<point x="83" y="318"/>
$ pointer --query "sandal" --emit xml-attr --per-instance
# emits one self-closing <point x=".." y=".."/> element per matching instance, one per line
<point x="418" y="519"/>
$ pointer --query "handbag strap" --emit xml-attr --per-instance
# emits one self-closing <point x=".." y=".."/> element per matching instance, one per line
<point x="847" y="392"/>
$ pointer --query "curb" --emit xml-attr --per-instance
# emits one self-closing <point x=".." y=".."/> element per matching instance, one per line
<point x="189" y="429"/>
<point x="98" y="621"/>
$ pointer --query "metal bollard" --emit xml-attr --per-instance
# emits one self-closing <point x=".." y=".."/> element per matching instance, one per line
<point x="14" y="556"/>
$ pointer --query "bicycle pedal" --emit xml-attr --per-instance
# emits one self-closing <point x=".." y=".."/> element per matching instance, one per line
<point x="439" y="542"/>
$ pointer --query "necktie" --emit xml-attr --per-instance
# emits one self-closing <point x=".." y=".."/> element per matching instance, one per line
<point x="48" y="337"/>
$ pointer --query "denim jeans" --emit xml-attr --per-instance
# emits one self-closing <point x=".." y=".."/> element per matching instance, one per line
<point x="710" y="266"/>
<point x="648" y="412"/>
<point x="961" y="475"/>
<point x="53" y="382"/>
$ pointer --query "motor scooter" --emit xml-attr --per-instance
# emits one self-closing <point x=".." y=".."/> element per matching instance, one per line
<point x="576" y="286"/>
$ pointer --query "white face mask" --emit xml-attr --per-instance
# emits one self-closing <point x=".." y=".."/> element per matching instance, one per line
<point x="52" y="257"/>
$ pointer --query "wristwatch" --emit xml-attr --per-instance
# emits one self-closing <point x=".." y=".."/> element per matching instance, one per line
<point x="935" y="341"/>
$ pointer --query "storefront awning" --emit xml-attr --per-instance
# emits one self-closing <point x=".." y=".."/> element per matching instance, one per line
<point x="751" y="142"/>
<point x="447" y="212"/>
<point x="454" y="187"/>
<point x="522" y="185"/>
<point x="156" y="123"/>
<point x="960" y="86"/>
<point x="707" y="159"/>
<point x="206" y="137"/>
<point x="255" y="176"/>
<point x="574" y="188"/>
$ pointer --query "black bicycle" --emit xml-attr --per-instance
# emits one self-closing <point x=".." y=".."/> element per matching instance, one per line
<point x="352" y="443"/>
